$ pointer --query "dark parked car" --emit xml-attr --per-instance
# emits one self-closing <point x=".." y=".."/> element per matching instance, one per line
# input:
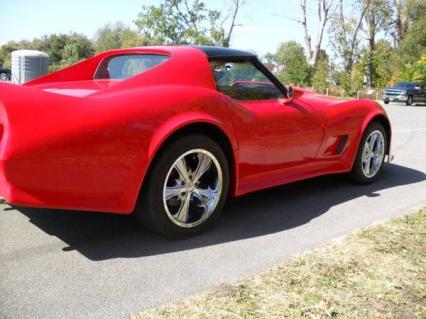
<point x="408" y="92"/>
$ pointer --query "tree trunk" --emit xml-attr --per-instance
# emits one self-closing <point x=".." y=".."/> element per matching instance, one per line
<point x="371" y="23"/>
<point x="306" y="35"/>
<point x="398" y="24"/>
<point x="370" y="66"/>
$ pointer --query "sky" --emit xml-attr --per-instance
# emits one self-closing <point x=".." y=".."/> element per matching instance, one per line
<point x="262" y="28"/>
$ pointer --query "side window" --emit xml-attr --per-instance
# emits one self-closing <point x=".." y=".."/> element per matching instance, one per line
<point x="121" y="67"/>
<point x="243" y="81"/>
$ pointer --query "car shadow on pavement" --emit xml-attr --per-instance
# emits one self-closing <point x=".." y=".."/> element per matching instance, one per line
<point x="106" y="236"/>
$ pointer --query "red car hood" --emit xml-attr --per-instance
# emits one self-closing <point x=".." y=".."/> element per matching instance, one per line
<point x="76" y="88"/>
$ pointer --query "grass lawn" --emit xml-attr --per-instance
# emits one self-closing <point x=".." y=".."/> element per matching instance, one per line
<point x="378" y="272"/>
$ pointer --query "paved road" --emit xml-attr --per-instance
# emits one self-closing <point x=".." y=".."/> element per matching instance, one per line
<point x="57" y="264"/>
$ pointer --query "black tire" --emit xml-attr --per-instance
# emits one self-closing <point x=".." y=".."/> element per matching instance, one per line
<point x="409" y="100"/>
<point x="357" y="174"/>
<point x="150" y="209"/>
<point x="386" y="102"/>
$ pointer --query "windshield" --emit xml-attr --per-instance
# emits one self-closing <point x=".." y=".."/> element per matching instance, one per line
<point x="405" y="85"/>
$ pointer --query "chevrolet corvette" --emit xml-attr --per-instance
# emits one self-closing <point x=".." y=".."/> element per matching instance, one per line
<point x="168" y="133"/>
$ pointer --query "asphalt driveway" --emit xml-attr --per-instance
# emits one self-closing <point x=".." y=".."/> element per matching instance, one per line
<point x="56" y="264"/>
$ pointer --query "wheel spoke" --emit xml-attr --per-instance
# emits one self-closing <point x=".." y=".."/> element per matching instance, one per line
<point x="182" y="170"/>
<point x="372" y="141"/>
<point x="202" y="200"/>
<point x="368" y="166"/>
<point x="204" y="163"/>
<point x="182" y="214"/>
<point x="366" y="153"/>
<point x="172" y="191"/>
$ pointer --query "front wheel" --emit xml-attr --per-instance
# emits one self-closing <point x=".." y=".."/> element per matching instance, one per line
<point x="409" y="100"/>
<point x="186" y="188"/>
<point x="370" y="155"/>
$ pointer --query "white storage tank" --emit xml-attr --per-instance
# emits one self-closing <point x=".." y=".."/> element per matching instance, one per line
<point x="28" y="65"/>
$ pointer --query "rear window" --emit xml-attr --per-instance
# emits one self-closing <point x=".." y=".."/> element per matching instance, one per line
<point x="121" y="67"/>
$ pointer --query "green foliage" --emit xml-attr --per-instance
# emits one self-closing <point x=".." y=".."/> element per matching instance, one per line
<point x="415" y="71"/>
<point x="420" y="69"/>
<point x="406" y="61"/>
<point x="345" y="44"/>
<point x="353" y="81"/>
<point x="291" y="65"/>
<point x="76" y="48"/>
<point x="117" y="36"/>
<point x="9" y="47"/>
<point x="63" y="49"/>
<point x="382" y="56"/>
<point x="320" y="77"/>
<point x="414" y="42"/>
<point x="181" y="22"/>
<point x="397" y="55"/>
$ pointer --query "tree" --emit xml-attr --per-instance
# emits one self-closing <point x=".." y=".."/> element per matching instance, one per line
<point x="233" y="13"/>
<point x="117" y="36"/>
<point x="325" y="10"/>
<point x="77" y="48"/>
<point x="382" y="63"/>
<point x="345" y="34"/>
<point x="420" y="69"/>
<point x="401" y="19"/>
<point x="290" y="64"/>
<point x="377" y="18"/>
<point x="187" y="22"/>
<point x="7" y="48"/>
<point x="320" y="77"/>
<point x="64" y="49"/>
<point x="413" y="44"/>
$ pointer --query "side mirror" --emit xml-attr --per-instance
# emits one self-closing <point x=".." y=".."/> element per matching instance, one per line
<point x="290" y="96"/>
<point x="290" y="92"/>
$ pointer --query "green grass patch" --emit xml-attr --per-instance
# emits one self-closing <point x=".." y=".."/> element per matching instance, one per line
<point x="378" y="272"/>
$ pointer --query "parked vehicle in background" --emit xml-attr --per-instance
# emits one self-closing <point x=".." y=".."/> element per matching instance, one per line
<point x="408" y="92"/>
<point x="5" y="74"/>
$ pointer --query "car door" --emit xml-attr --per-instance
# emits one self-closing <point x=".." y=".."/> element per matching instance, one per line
<point x="275" y="138"/>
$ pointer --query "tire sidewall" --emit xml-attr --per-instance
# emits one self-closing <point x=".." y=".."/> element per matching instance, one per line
<point x="153" y="193"/>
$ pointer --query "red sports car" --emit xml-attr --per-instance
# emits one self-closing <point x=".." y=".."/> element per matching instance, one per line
<point x="170" y="132"/>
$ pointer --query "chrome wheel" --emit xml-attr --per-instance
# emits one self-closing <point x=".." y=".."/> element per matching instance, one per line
<point x="192" y="188"/>
<point x="373" y="153"/>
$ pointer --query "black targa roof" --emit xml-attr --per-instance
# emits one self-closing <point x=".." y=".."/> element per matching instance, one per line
<point x="219" y="52"/>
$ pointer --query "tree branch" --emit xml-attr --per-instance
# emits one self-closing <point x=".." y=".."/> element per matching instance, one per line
<point x="233" y="24"/>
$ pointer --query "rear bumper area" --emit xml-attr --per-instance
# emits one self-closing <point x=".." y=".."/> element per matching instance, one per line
<point x="22" y="184"/>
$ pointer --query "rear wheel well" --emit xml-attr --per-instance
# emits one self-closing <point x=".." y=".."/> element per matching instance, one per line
<point x="386" y="124"/>
<point x="205" y="129"/>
